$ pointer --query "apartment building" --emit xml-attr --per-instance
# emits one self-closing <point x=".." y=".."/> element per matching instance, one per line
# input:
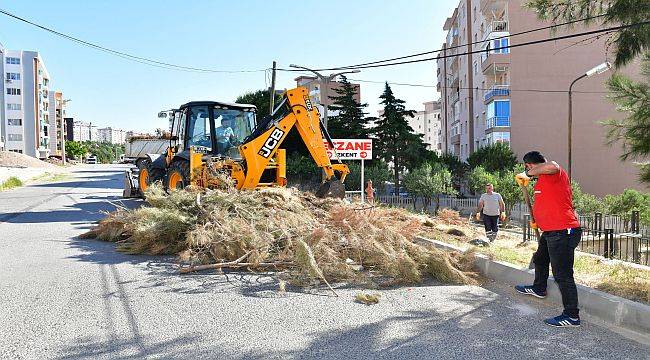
<point x="427" y="124"/>
<point x="57" y="124"/>
<point x="25" y="103"/>
<point x="519" y="95"/>
<point x="111" y="135"/>
<point x="317" y="88"/>
<point x="82" y="131"/>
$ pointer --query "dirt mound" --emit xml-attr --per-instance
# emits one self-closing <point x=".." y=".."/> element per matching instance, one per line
<point x="304" y="237"/>
<point x="12" y="159"/>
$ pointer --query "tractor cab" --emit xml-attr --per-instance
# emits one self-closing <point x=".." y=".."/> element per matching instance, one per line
<point x="211" y="127"/>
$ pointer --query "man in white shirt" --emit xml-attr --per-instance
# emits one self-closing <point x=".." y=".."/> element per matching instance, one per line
<point x="492" y="207"/>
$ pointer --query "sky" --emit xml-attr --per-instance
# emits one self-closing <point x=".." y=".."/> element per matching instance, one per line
<point x="224" y="35"/>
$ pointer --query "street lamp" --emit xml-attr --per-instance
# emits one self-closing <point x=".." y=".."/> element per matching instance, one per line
<point x="595" y="71"/>
<point x="325" y="80"/>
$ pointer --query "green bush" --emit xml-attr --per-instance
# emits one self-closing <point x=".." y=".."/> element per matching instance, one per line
<point x="630" y="200"/>
<point x="586" y="204"/>
<point x="10" y="183"/>
<point x="493" y="158"/>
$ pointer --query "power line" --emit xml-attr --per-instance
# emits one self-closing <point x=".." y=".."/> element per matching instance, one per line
<point x="480" y="88"/>
<point x="610" y="29"/>
<point x="139" y="59"/>
<point x="474" y="42"/>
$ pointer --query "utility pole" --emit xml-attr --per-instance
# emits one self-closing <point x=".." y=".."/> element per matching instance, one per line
<point x="272" y="90"/>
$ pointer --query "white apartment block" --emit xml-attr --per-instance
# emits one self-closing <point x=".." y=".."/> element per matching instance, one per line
<point x="83" y="131"/>
<point x="57" y="124"/>
<point x="427" y="124"/>
<point x="25" y="117"/>
<point x="111" y="135"/>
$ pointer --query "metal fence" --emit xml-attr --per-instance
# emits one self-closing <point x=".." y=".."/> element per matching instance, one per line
<point x="611" y="236"/>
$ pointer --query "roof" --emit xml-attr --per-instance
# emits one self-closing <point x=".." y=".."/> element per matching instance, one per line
<point x="228" y="105"/>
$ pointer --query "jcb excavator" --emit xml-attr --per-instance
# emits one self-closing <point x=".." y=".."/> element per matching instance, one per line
<point x="208" y="138"/>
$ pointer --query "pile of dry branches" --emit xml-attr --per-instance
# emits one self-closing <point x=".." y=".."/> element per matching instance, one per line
<point x="283" y="229"/>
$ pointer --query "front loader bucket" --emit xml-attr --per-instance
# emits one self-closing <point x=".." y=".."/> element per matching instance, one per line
<point x="332" y="188"/>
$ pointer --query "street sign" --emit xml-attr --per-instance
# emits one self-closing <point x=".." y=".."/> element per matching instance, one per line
<point x="350" y="149"/>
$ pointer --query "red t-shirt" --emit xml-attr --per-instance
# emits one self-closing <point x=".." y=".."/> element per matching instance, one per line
<point x="553" y="207"/>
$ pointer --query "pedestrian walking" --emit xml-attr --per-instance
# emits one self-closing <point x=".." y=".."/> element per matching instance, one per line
<point x="491" y="207"/>
<point x="554" y="216"/>
<point x="370" y="192"/>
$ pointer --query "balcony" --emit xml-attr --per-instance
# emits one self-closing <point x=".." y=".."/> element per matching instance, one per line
<point x="496" y="122"/>
<point x="495" y="26"/>
<point x="497" y="90"/>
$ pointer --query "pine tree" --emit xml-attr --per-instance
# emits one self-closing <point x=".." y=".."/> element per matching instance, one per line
<point x="631" y="97"/>
<point x="395" y="140"/>
<point x="351" y="121"/>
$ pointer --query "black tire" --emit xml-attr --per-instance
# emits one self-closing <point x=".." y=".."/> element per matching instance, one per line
<point x="156" y="174"/>
<point x="178" y="175"/>
<point x="142" y="163"/>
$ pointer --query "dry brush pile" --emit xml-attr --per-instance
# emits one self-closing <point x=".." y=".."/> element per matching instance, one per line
<point x="307" y="238"/>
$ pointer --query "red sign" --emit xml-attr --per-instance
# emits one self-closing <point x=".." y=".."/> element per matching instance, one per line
<point x="350" y="149"/>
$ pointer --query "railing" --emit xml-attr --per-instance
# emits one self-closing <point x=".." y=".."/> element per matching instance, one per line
<point x="496" y="26"/>
<point x="610" y="236"/>
<point x="497" y="121"/>
<point x="497" y="90"/>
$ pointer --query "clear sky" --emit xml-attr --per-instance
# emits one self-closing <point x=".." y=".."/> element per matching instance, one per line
<point x="224" y="35"/>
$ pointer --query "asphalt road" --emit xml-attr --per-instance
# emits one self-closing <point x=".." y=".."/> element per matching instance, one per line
<point x="65" y="298"/>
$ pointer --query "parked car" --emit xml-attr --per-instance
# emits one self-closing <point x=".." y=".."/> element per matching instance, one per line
<point x="92" y="159"/>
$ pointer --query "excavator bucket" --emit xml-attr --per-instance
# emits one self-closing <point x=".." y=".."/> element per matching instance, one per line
<point x="332" y="188"/>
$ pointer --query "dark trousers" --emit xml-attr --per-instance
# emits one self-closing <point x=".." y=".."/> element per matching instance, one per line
<point x="557" y="249"/>
<point x="491" y="223"/>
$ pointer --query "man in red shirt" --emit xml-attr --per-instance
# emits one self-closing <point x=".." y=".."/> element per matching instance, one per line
<point x="553" y="213"/>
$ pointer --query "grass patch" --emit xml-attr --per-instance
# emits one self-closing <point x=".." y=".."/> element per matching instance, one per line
<point x="612" y="277"/>
<point x="51" y="177"/>
<point x="12" y="182"/>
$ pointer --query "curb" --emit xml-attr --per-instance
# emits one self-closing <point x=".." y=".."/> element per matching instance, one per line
<point x="628" y="315"/>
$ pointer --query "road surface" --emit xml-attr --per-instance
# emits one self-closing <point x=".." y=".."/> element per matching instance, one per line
<point x="65" y="298"/>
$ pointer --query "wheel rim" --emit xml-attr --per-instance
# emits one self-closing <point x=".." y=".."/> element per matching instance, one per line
<point x="175" y="181"/>
<point x="143" y="180"/>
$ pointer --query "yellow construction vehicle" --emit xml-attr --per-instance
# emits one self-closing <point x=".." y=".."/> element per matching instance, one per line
<point x="210" y="138"/>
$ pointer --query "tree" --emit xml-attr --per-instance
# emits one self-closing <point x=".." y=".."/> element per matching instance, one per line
<point x="392" y="133"/>
<point x="633" y="132"/>
<point x="429" y="182"/>
<point x="631" y="97"/>
<point x="457" y="168"/>
<point x="74" y="149"/>
<point x="497" y="157"/>
<point x="630" y="200"/>
<point x="351" y="121"/>
<point x="261" y="99"/>
<point x="585" y="204"/>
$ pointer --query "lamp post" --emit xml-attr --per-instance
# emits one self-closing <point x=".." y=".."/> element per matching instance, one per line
<point x="325" y="80"/>
<point x="594" y="71"/>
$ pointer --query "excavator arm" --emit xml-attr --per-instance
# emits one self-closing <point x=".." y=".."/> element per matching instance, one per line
<point x="262" y="148"/>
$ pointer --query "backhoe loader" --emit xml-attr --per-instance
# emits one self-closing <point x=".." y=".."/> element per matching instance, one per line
<point x="210" y="140"/>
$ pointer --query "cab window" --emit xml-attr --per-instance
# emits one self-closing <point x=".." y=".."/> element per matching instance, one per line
<point x="199" y="128"/>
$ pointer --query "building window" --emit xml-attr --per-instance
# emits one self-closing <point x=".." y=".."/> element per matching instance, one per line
<point x="13" y="107"/>
<point x="13" y="91"/>
<point x="15" y="122"/>
<point x="13" y="60"/>
<point x="16" y="151"/>
<point x="475" y="67"/>
<point x="13" y="76"/>
<point x="15" y="137"/>
<point x="500" y="46"/>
